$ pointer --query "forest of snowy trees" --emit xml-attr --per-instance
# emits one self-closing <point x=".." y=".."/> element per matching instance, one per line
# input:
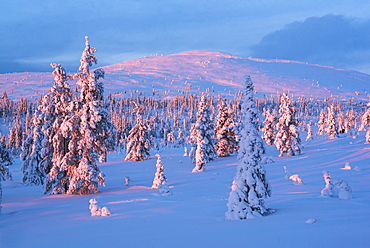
<point x="62" y="135"/>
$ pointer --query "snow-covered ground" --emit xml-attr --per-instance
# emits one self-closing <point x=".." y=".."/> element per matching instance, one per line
<point x="193" y="216"/>
<point x="196" y="71"/>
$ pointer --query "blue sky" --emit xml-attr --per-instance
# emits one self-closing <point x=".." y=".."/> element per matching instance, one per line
<point x="37" y="33"/>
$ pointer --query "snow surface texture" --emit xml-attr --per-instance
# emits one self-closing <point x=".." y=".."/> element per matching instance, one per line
<point x="220" y="72"/>
<point x="140" y="215"/>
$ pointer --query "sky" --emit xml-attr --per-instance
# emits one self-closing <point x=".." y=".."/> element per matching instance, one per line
<point x="37" y="33"/>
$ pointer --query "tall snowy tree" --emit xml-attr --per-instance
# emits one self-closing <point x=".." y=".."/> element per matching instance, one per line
<point x="60" y="102"/>
<point x="250" y="186"/>
<point x="309" y="131"/>
<point x="138" y="141"/>
<point x="42" y="144"/>
<point x="331" y="128"/>
<point x="33" y="174"/>
<point x="94" y="135"/>
<point x="365" y="123"/>
<point x="16" y="136"/>
<point x="269" y="127"/>
<point x="321" y="123"/>
<point x="203" y="135"/>
<point x="350" y="121"/>
<point x="5" y="161"/>
<point x="225" y="133"/>
<point x="82" y="130"/>
<point x="287" y="139"/>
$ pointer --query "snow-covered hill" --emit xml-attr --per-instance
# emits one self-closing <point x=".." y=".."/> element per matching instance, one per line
<point x="219" y="72"/>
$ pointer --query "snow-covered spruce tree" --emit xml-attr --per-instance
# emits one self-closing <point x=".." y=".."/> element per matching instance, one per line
<point x="269" y="127"/>
<point x="321" y="123"/>
<point x="5" y="161"/>
<point x="33" y="174"/>
<point x="250" y="185"/>
<point x="204" y="135"/>
<point x="328" y="190"/>
<point x="138" y="141"/>
<point x="16" y="136"/>
<point x="40" y="145"/>
<point x="82" y="131"/>
<point x="331" y="128"/>
<point x="92" y="132"/>
<point x="159" y="177"/>
<point x="287" y="139"/>
<point x="350" y="121"/>
<point x="92" y="103"/>
<point x="365" y="123"/>
<point x="309" y="131"/>
<point x="225" y="130"/>
<point x="192" y="139"/>
<point x="341" y="122"/>
<point x="61" y="104"/>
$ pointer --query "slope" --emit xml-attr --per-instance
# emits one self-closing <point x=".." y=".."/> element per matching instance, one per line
<point x="218" y="72"/>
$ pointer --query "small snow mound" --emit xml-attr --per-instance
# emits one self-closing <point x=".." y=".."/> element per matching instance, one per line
<point x="296" y="179"/>
<point x="105" y="211"/>
<point x="96" y="211"/>
<point x="311" y="221"/>
<point x="356" y="168"/>
<point x="345" y="191"/>
<point x="164" y="190"/>
<point x="347" y="166"/>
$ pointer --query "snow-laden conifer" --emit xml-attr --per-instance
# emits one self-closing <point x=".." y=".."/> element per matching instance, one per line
<point x="225" y="133"/>
<point x="5" y="161"/>
<point x="16" y="136"/>
<point x="328" y="190"/>
<point x="309" y="131"/>
<point x="341" y="122"/>
<point x="56" y="142"/>
<point x="33" y="173"/>
<point x="345" y="191"/>
<point x="203" y="135"/>
<point x="269" y="127"/>
<point x="95" y="132"/>
<point x="81" y="130"/>
<point x="250" y="186"/>
<point x="159" y="177"/>
<point x="92" y="104"/>
<point x="321" y="123"/>
<point x="350" y="121"/>
<point x="40" y="150"/>
<point x="138" y="141"/>
<point x="287" y="139"/>
<point x="331" y="124"/>
<point x="365" y="123"/>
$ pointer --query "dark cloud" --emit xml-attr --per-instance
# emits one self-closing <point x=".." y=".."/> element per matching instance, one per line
<point x="329" y="40"/>
<point x="37" y="33"/>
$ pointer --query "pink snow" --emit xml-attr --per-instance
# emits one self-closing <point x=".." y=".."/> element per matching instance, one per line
<point x="198" y="70"/>
<point x="194" y="215"/>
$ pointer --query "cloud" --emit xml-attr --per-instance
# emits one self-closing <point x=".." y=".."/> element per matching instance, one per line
<point x="329" y="40"/>
<point x="35" y="31"/>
